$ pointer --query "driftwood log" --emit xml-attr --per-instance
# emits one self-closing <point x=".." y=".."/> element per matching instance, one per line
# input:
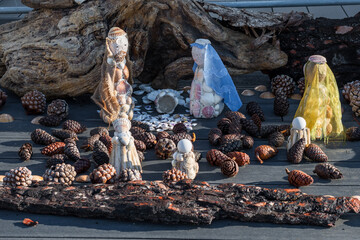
<point x="185" y="202"/>
<point x="58" y="48"/>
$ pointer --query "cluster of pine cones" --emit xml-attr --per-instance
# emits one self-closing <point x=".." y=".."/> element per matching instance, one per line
<point x="351" y="93"/>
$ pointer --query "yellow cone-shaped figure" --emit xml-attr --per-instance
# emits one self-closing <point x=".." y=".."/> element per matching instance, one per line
<point x="320" y="105"/>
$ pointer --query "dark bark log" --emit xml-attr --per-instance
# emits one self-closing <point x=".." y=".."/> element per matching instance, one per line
<point x="185" y="202"/>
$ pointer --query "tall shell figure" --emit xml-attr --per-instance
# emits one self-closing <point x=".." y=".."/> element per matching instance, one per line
<point x="184" y="159"/>
<point x="264" y="152"/>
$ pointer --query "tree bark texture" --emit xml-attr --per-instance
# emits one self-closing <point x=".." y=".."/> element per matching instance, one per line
<point x="185" y="202"/>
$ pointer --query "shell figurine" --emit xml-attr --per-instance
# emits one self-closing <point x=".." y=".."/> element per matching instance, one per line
<point x="184" y="159"/>
<point x="264" y="152"/>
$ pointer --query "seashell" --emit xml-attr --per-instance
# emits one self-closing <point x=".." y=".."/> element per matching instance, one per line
<point x="261" y="88"/>
<point x="146" y="101"/>
<point x="296" y="96"/>
<point x="248" y="93"/>
<point x="1" y="177"/>
<point x="143" y="86"/>
<point x="217" y="98"/>
<point x="186" y="88"/>
<point x="36" y="178"/>
<point x="267" y="95"/>
<point x="208" y="111"/>
<point x="83" y="179"/>
<point x="197" y="92"/>
<point x="207" y="99"/>
<point x="6" y="118"/>
<point x="195" y="109"/>
<point x="148" y="107"/>
<point x="36" y="120"/>
<point x="139" y="92"/>
<point x="206" y="88"/>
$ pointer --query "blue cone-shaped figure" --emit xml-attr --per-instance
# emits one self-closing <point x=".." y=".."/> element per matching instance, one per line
<point x="212" y="84"/>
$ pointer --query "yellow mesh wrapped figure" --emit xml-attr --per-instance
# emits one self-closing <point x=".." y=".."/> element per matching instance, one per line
<point x="320" y="105"/>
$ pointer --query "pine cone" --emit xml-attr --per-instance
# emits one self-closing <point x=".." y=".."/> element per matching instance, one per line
<point x="240" y="158"/>
<point x="224" y="125"/>
<point x="299" y="178"/>
<point x="198" y="155"/>
<point x="173" y="175"/>
<point x="248" y="142"/>
<point x="301" y="85"/>
<point x="105" y="173"/>
<point x="127" y="175"/>
<point x="230" y="137"/>
<point x="71" y="150"/>
<point x="229" y="168"/>
<point x="20" y="176"/>
<point x="215" y="157"/>
<point x="136" y="130"/>
<point x="3" y="98"/>
<point x="107" y="141"/>
<point x="64" y="134"/>
<point x="256" y="119"/>
<point x="99" y="130"/>
<point x="266" y="131"/>
<point x="141" y="156"/>
<point x="25" y="152"/>
<point x="58" y="108"/>
<point x="276" y="139"/>
<point x="56" y="159"/>
<point x="355" y="97"/>
<point x="82" y="165"/>
<point x="165" y="148"/>
<point x="249" y="126"/>
<point x="283" y="82"/>
<point x="254" y="108"/>
<point x="161" y="135"/>
<point x="347" y="88"/>
<point x="88" y="144"/>
<point x="264" y="152"/>
<point x="327" y="171"/>
<point x="179" y="136"/>
<point x="231" y="146"/>
<point x="41" y="137"/>
<point x="353" y="134"/>
<point x="234" y="116"/>
<point x="281" y="105"/>
<point x="235" y="128"/>
<point x="296" y="152"/>
<point x="61" y="173"/>
<point x="34" y="102"/>
<point x="315" y="153"/>
<point x="140" y="145"/>
<point x="100" y="154"/>
<point x="179" y="128"/>
<point x="140" y="124"/>
<point x="214" y="136"/>
<point x="285" y="129"/>
<point x="148" y="138"/>
<point x="53" y="148"/>
<point x="74" y="126"/>
<point x="50" y="121"/>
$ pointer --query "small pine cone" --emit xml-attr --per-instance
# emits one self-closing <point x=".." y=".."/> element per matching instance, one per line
<point x="179" y="127"/>
<point x="179" y="136"/>
<point x="41" y="137"/>
<point x="56" y="159"/>
<point x="82" y="165"/>
<point x="141" y="156"/>
<point x="215" y="157"/>
<point x="231" y="146"/>
<point x="54" y="148"/>
<point x="88" y="144"/>
<point x="50" y="121"/>
<point x="20" y="176"/>
<point x="296" y="152"/>
<point x="161" y="135"/>
<point x="3" y="98"/>
<point x="148" y="138"/>
<point x="229" y="168"/>
<point x="58" y="108"/>
<point x="354" y="98"/>
<point x="347" y="89"/>
<point x="173" y="175"/>
<point x="99" y="130"/>
<point x="127" y="175"/>
<point x="74" y="126"/>
<point x="100" y="154"/>
<point x="315" y="153"/>
<point x="254" y="108"/>
<point x="264" y="152"/>
<point x="165" y="148"/>
<point x="298" y="178"/>
<point x="240" y="158"/>
<point x="61" y="173"/>
<point x="266" y="131"/>
<point x="248" y="142"/>
<point x="198" y="156"/>
<point x="71" y="150"/>
<point x="234" y="116"/>
<point x="353" y="134"/>
<point x="34" y="102"/>
<point x="140" y="124"/>
<point x="249" y="126"/>
<point x="327" y="171"/>
<point x="235" y="128"/>
<point x="136" y="130"/>
<point x="25" y="151"/>
<point x="103" y="174"/>
<point x="230" y="137"/>
<point x="256" y="119"/>
<point x="214" y="136"/>
<point x="107" y="141"/>
<point x="64" y="134"/>
<point x="301" y="85"/>
<point x="281" y="105"/>
<point x="283" y="82"/>
<point x="285" y="129"/>
<point x="224" y="124"/>
<point x="276" y="139"/>
<point x="140" y="145"/>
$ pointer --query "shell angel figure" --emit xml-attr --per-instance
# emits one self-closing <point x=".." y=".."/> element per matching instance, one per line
<point x="184" y="159"/>
<point x="124" y="154"/>
<point x="113" y="94"/>
<point x="212" y="84"/>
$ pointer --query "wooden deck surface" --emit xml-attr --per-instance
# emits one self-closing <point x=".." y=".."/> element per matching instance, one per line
<point x="269" y="174"/>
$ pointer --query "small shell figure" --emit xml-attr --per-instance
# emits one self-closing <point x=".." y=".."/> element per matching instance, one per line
<point x="184" y="159"/>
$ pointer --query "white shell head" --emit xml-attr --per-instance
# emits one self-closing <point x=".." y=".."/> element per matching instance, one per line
<point x="299" y="123"/>
<point x="184" y="146"/>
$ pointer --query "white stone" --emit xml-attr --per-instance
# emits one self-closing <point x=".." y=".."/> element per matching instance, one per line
<point x="184" y="146"/>
<point x="299" y="123"/>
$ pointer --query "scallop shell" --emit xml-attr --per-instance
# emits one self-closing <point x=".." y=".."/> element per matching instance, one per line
<point x="6" y="118"/>
<point x="248" y="93"/>
<point x="208" y="111"/>
<point x="82" y="179"/>
<point x="267" y="95"/>
<point x="296" y="96"/>
<point x="195" y="108"/>
<point x="36" y="120"/>
<point x="207" y="99"/>
<point x="36" y="178"/>
<point x="261" y="88"/>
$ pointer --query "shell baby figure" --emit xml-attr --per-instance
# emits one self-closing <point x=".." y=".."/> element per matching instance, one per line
<point x="113" y="93"/>
<point x="212" y="84"/>
<point x="184" y="159"/>
<point x="123" y="154"/>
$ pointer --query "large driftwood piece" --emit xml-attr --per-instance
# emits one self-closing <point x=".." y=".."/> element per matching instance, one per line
<point x="185" y="202"/>
<point x="59" y="50"/>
